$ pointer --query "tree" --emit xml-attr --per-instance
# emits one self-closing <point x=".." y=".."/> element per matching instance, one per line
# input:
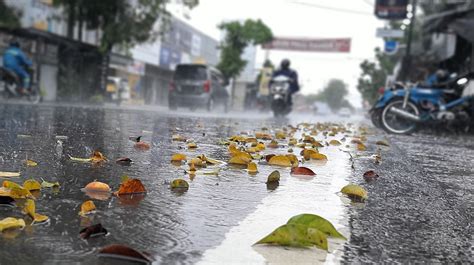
<point x="333" y="94"/>
<point x="123" y="23"/>
<point x="238" y="37"/>
<point x="374" y="75"/>
<point x="8" y="16"/>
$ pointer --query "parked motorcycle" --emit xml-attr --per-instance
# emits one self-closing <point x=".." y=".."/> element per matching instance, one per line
<point x="402" y="108"/>
<point x="280" y="95"/>
<point x="9" y="83"/>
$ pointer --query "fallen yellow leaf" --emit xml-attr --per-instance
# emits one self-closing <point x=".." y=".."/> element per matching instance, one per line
<point x="355" y="192"/>
<point x="240" y="160"/>
<point x="318" y="156"/>
<point x="10" y="223"/>
<point x="252" y="168"/>
<point x="87" y="207"/>
<point x="361" y="147"/>
<point x="192" y="145"/>
<point x="31" y="184"/>
<point x="178" y="157"/>
<point x="31" y="163"/>
<point x="280" y="160"/>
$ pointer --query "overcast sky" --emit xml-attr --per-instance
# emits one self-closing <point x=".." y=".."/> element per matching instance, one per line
<point x="304" y="18"/>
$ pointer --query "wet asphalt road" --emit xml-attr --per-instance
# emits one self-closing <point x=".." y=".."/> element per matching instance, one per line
<point x="420" y="209"/>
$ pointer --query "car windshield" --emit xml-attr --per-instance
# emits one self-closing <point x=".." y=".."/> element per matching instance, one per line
<point x="191" y="72"/>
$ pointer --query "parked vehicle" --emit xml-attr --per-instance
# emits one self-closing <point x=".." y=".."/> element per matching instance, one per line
<point x="197" y="85"/>
<point x="10" y="82"/>
<point x="403" y="107"/>
<point x="117" y="89"/>
<point x="280" y="95"/>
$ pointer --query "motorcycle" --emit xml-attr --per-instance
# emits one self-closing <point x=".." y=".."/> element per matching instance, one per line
<point x="280" y="95"/>
<point x="10" y="82"/>
<point x="403" y="107"/>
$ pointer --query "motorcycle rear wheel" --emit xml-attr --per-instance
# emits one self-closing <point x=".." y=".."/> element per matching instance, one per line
<point x="34" y="96"/>
<point x="396" y="124"/>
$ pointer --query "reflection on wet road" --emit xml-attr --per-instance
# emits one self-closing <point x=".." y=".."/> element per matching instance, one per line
<point x="176" y="228"/>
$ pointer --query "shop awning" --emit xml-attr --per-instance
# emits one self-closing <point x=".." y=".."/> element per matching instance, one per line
<point x="459" y="21"/>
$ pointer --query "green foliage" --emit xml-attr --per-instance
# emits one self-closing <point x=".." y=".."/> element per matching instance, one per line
<point x="238" y="37"/>
<point x="304" y="230"/>
<point x="122" y="22"/>
<point x="8" y="16"/>
<point x="317" y="222"/>
<point x="374" y="75"/>
<point x="333" y="94"/>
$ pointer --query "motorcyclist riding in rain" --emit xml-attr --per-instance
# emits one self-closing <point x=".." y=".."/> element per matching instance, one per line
<point x="15" y="60"/>
<point x="285" y="70"/>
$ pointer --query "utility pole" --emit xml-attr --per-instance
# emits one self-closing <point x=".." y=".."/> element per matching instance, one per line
<point x="407" y="60"/>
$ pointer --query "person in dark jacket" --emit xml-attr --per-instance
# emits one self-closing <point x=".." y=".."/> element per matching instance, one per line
<point x="15" y="60"/>
<point x="285" y="70"/>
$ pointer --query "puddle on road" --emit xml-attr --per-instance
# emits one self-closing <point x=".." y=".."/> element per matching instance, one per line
<point x="294" y="196"/>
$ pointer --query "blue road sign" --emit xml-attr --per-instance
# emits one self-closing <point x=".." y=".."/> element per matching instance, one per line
<point x="391" y="46"/>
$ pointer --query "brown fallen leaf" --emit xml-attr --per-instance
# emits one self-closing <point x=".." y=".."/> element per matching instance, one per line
<point x="98" y="157"/>
<point x="131" y="199"/>
<point x="124" y="252"/>
<point x="142" y="146"/>
<point x="302" y="171"/>
<point x="131" y="186"/>
<point x="92" y="231"/>
<point x="124" y="161"/>
<point x="370" y="176"/>
<point x="268" y="157"/>
<point x="384" y="143"/>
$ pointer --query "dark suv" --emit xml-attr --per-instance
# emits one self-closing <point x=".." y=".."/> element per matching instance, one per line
<point x="197" y="85"/>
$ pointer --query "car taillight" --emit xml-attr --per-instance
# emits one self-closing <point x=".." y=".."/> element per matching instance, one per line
<point x="207" y="86"/>
<point x="381" y="90"/>
<point x="172" y="86"/>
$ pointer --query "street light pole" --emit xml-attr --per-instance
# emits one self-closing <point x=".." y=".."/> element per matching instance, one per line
<point x="407" y="59"/>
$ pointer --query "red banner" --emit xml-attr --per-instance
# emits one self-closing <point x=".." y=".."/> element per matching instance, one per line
<point x="309" y="45"/>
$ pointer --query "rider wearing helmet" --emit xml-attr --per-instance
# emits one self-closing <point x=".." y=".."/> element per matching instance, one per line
<point x="285" y="70"/>
<point x="14" y="59"/>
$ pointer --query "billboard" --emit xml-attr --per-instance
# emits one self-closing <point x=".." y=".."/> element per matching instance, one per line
<point x="310" y="45"/>
<point x="391" y="9"/>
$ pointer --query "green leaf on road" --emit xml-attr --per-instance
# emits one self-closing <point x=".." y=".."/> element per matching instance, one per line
<point x="46" y="184"/>
<point x="355" y="192"/>
<point x="317" y="222"/>
<point x="296" y="235"/>
<point x="274" y="177"/>
<point x="179" y="184"/>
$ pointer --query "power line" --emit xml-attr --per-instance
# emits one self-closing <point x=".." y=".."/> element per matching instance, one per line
<point x="355" y="12"/>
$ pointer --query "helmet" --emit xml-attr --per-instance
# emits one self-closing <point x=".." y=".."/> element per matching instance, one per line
<point x="14" y="43"/>
<point x="285" y="64"/>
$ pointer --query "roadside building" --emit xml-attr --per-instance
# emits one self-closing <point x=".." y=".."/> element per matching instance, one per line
<point x="69" y="68"/>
